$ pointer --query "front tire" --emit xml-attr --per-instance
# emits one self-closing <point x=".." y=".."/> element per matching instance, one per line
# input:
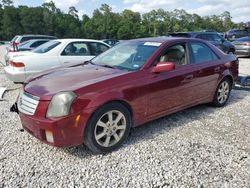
<point x="108" y="128"/>
<point x="222" y="93"/>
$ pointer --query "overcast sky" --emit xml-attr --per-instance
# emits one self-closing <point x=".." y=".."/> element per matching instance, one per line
<point x="239" y="9"/>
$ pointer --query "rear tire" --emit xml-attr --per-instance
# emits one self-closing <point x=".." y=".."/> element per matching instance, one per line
<point x="222" y="93"/>
<point x="108" y="128"/>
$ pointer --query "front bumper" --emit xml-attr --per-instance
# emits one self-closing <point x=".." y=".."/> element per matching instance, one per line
<point x="66" y="131"/>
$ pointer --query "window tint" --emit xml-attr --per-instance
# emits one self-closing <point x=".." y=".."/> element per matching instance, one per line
<point x="97" y="48"/>
<point x="76" y="49"/>
<point x="202" y="53"/>
<point x="38" y="43"/>
<point x="46" y="47"/>
<point x="175" y="54"/>
<point x="209" y="37"/>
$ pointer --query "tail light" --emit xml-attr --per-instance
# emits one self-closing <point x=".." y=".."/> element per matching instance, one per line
<point x="247" y="44"/>
<point x="17" y="64"/>
<point x="12" y="50"/>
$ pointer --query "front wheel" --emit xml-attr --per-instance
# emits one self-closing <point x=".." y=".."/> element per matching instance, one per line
<point x="222" y="93"/>
<point x="108" y="128"/>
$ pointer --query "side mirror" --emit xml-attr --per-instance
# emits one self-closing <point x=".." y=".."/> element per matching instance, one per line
<point x="163" y="67"/>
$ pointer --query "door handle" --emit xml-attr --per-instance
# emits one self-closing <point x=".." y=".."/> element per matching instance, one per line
<point x="217" y="69"/>
<point x="188" y="78"/>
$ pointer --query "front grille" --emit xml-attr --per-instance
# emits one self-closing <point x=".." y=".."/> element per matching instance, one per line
<point x="27" y="103"/>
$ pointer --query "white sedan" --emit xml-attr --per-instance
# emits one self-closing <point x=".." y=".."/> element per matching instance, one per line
<point x="54" y="53"/>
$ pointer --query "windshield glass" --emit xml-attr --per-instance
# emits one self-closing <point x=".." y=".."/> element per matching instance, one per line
<point x="128" y="55"/>
<point x="46" y="47"/>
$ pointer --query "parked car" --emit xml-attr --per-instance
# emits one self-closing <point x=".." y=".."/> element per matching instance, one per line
<point x="236" y="33"/>
<point x="96" y="103"/>
<point x="25" y="46"/>
<point x="54" y="53"/>
<point x="242" y="46"/>
<point x="18" y="39"/>
<point x="212" y="37"/>
<point x="111" y="42"/>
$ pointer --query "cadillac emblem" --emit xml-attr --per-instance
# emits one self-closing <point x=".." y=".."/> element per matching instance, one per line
<point x="20" y="101"/>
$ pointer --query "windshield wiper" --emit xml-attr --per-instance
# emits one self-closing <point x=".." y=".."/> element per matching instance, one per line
<point x="108" y="66"/>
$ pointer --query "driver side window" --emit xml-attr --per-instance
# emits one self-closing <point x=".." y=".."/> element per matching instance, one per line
<point x="175" y="54"/>
<point x="76" y="49"/>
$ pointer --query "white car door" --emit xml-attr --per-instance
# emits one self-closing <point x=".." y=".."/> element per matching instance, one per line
<point x="75" y="52"/>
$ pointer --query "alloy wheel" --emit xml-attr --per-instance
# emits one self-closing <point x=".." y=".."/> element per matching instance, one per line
<point x="110" y="128"/>
<point x="223" y="92"/>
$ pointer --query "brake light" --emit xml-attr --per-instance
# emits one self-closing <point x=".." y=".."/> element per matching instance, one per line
<point x="12" y="50"/>
<point x="17" y="64"/>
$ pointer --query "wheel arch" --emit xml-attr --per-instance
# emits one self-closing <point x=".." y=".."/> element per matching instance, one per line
<point x="120" y="101"/>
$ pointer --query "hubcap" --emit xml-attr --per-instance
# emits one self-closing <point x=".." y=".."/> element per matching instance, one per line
<point x="110" y="128"/>
<point x="223" y="92"/>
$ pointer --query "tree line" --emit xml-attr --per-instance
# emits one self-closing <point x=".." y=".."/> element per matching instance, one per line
<point x="104" y="23"/>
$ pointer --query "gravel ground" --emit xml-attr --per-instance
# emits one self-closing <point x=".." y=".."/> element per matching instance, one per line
<point x="198" y="147"/>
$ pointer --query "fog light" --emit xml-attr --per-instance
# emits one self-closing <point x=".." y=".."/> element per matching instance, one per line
<point x="49" y="136"/>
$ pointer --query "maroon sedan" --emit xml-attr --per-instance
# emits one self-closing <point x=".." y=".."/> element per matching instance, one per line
<point x="97" y="102"/>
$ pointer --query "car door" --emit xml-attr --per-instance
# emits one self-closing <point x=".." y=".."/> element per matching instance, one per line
<point x="75" y="52"/>
<point x="209" y="68"/>
<point x="175" y="89"/>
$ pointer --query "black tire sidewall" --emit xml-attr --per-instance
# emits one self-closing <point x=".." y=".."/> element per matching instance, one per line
<point x="89" y="138"/>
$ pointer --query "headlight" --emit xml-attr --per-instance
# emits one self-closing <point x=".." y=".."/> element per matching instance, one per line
<point x="60" y="104"/>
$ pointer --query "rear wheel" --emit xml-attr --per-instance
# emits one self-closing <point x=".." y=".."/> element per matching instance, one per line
<point x="222" y="93"/>
<point x="108" y="128"/>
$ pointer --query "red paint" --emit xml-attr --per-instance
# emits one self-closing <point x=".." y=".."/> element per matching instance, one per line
<point x="150" y="95"/>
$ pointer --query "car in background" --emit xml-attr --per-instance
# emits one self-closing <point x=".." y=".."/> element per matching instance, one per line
<point x="242" y="46"/>
<point x="18" y="39"/>
<point x="134" y="82"/>
<point x="54" y="53"/>
<point x="111" y="42"/>
<point x="236" y="33"/>
<point x="213" y="37"/>
<point x="25" y="46"/>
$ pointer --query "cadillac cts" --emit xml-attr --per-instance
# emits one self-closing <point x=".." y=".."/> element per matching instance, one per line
<point x="97" y="102"/>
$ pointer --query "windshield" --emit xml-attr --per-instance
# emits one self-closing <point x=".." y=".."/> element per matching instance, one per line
<point x="128" y="55"/>
<point x="46" y="47"/>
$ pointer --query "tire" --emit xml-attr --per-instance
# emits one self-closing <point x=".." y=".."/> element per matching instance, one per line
<point x="108" y="128"/>
<point x="222" y="93"/>
<point x="230" y="51"/>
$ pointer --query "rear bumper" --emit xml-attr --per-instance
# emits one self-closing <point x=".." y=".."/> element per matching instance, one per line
<point x="14" y="74"/>
<point x="243" y="52"/>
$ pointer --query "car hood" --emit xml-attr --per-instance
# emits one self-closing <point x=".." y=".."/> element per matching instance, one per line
<point x="71" y="78"/>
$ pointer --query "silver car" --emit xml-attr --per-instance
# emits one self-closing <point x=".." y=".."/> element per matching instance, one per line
<point x="242" y="46"/>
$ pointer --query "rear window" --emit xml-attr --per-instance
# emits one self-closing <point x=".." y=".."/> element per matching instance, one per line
<point x="46" y="47"/>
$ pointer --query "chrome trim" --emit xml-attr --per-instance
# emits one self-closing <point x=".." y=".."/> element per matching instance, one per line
<point x="27" y="103"/>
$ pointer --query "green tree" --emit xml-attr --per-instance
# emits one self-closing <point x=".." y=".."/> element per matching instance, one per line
<point x="7" y="3"/>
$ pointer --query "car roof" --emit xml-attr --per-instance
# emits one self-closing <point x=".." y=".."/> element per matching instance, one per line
<point x="75" y="39"/>
<point x="29" y="35"/>
<point x="34" y="40"/>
